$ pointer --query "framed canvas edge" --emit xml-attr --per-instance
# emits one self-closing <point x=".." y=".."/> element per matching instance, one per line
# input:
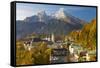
<point x="13" y="32"/>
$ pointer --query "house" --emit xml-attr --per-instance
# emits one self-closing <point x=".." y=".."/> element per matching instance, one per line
<point x="85" y="55"/>
<point x="27" y="45"/>
<point x="73" y="57"/>
<point x="59" y="55"/>
<point x="36" y="40"/>
<point x="71" y="49"/>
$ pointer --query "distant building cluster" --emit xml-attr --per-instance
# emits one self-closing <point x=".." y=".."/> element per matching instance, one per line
<point x="59" y="53"/>
<point x="28" y="42"/>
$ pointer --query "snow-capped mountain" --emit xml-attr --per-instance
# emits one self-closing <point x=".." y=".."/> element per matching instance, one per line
<point x="59" y="23"/>
<point x="61" y="15"/>
<point x="42" y="16"/>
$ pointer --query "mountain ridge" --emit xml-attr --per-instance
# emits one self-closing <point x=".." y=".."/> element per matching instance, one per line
<point x="43" y="23"/>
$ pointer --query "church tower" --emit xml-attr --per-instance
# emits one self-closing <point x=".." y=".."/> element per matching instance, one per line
<point x="52" y="37"/>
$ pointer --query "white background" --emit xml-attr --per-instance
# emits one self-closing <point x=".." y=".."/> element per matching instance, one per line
<point x="5" y="34"/>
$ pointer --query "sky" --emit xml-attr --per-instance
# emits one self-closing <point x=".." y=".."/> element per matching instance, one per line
<point x="24" y="10"/>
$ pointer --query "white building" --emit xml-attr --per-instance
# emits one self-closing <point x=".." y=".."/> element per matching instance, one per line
<point x="71" y="49"/>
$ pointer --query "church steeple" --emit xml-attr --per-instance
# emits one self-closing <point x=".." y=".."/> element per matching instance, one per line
<point x="52" y="37"/>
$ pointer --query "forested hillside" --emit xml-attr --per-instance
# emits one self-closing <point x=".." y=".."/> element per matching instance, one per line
<point x="86" y="36"/>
